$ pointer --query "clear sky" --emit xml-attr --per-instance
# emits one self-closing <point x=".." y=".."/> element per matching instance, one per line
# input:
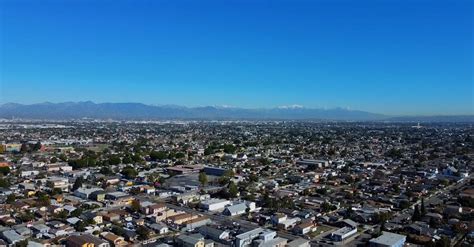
<point x="384" y="56"/>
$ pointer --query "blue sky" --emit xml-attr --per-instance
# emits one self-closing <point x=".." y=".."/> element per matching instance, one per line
<point x="384" y="56"/>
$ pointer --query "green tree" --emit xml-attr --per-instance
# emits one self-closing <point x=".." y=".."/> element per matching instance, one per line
<point x="180" y="155"/>
<point x="106" y="170"/>
<point x="37" y="146"/>
<point x="43" y="200"/>
<point x="114" y="160"/>
<point x="229" y="148"/>
<point x="135" y="206"/>
<point x="158" y="155"/>
<point x="22" y="243"/>
<point x="203" y="178"/>
<point x="26" y="216"/>
<point x="404" y="204"/>
<point x="80" y="226"/>
<point x="233" y="190"/>
<point x="118" y="230"/>
<point x="78" y="183"/>
<point x="11" y="199"/>
<point x="137" y="158"/>
<point x="4" y="170"/>
<point x="143" y="232"/>
<point x="253" y="177"/>
<point x="4" y="183"/>
<point x="76" y="213"/>
<point x="443" y="242"/>
<point x="423" y="207"/>
<point x="63" y="157"/>
<point x="209" y="151"/>
<point x="416" y="214"/>
<point x="129" y="172"/>
<point x="62" y="214"/>
<point x="327" y="207"/>
<point x="127" y="160"/>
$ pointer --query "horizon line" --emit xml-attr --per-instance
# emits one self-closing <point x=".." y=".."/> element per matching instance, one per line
<point x="224" y="106"/>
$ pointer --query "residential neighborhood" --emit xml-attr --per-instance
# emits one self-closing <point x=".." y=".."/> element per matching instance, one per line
<point x="90" y="183"/>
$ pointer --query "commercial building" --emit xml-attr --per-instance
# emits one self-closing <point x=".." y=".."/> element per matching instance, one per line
<point x="214" y="204"/>
<point x="214" y="171"/>
<point x="388" y="239"/>
<point x="343" y="233"/>
<point x="246" y="238"/>
<point x="313" y="163"/>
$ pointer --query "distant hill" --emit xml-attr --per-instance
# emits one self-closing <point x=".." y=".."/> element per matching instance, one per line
<point x="138" y="111"/>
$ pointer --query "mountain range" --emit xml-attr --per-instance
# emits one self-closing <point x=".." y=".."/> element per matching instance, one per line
<point x="138" y="111"/>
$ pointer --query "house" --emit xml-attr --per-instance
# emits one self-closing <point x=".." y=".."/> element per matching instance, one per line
<point x="153" y="208"/>
<point x="288" y="223"/>
<point x="85" y="193"/>
<point x="452" y="209"/>
<point x="159" y="228"/>
<point x="239" y="208"/>
<point x="40" y="230"/>
<point x="85" y="240"/>
<point x="114" y="240"/>
<point x="214" y="233"/>
<point x="58" y="183"/>
<point x="186" y="241"/>
<point x="181" y="218"/>
<point x="62" y="230"/>
<point x="13" y="147"/>
<point x="110" y="217"/>
<point x="29" y="173"/>
<point x="467" y="193"/>
<point x="72" y="220"/>
<point x="388" y="239"/>
<point x="56" y="224"/>
<point x="450" y="171"/>
<point x="195" y="223"/>
<point x="348" y="223"/>
<point x="23" y="231"/>
<point x="7" y="220"/>
<point x="12" y="237"/>
<point x="304" y="228"/>
<point x="274" y="242"/>
<point x="185" y="198"/>
<point x="130" y="235"/>
<point x="119" y="198"/>
<point x="236" y="209"/>
<point x="165" y="215"/>
<point x="98" y="195"/>
<point x="278" y="218"/>
<point x="97" y="218"/>
<point x="3" y="243"/>
<point x="112" y="180"/>
<point x="299" y="242"/>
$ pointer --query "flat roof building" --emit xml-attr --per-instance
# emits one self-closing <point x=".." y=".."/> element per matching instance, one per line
<point x="343" y="233"/>
<point x="388" y="239"/>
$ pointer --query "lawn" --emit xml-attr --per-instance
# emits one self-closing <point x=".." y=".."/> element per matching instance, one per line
<point x="321" y="229"/>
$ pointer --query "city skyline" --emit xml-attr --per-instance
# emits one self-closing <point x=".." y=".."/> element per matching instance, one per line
<point x="385" y="57"/>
